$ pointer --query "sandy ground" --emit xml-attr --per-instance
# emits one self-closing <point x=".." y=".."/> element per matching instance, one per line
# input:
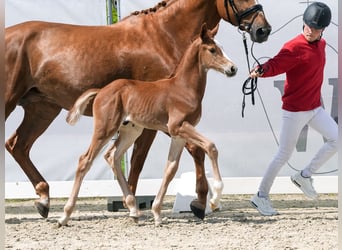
<point x="302" y="224"/>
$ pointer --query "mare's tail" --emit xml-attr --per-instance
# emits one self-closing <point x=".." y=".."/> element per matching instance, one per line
<point x="80" y="105"/>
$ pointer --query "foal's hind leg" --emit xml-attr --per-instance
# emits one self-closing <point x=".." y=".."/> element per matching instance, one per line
<point x="37" y="118"/>
<point x="99" y="140"/>
<point x="127" y="135"/>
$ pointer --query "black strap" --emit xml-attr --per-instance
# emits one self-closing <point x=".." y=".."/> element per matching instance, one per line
<point x="249" y="89"/>
<point x="240" y="15"/>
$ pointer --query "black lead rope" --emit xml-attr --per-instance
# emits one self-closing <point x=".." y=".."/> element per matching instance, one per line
<point x="251" y="84"/>
<point x="248" y="90"/>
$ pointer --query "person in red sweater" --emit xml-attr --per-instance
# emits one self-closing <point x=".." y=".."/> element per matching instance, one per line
<point x="303" y="61"/>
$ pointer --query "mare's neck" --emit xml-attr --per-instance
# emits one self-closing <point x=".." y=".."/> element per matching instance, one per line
<point x="183" y="19"/>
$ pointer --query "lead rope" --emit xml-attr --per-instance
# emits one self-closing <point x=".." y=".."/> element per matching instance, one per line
<point x="250" y="91"/>
<point x="246" y="89"/>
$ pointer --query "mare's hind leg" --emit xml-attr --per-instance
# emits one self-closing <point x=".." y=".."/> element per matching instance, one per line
<point x="37" y="118"/>
<point x="175" y="152"/>
<point x="127" y="135"/>
<point x="17" y="82"/>
<point x="141" y="147"/>
<point x="189" y="133"/>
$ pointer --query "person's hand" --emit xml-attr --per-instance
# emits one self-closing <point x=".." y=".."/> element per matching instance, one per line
<point x="256" y="72"/>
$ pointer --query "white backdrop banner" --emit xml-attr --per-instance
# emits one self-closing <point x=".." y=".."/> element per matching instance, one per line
<point x="246" y="145"/>
<point x="86" y="12"/>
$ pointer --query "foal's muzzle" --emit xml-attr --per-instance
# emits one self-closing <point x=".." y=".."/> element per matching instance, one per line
<point x="231" y="71"/>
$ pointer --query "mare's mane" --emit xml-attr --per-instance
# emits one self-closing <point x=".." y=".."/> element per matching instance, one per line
<point x="151" y="10"/>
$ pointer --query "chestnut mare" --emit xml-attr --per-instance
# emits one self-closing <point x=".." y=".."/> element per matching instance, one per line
<point x="173" y="105"/>
<point x="48" y="65"/>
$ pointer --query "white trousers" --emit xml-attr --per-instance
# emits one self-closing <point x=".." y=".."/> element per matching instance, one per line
<point x="293" y="123"/>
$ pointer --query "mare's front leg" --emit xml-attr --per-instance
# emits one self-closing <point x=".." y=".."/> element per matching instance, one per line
<point x="127" y="135"/>
<point x="175" y="152"/>
<point x="198" y="205"/>
<point x="37" y="117"/>
<point x="188" y="132"/>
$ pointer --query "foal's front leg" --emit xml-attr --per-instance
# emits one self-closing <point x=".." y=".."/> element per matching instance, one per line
<point x="188" y="132"/>
<point x="142" y="146"/>
<point x="175" y="152"/>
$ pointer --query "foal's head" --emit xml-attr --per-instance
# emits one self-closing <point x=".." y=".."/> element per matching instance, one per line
<point x="211" y="56"/>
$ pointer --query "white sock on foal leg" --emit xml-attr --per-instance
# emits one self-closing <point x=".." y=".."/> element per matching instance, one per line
<point x="217" y="194"/>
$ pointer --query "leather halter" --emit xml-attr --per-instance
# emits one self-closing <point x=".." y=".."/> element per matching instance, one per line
<point x="239" y="15"/>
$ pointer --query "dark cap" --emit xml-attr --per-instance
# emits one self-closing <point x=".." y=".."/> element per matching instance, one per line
<point x="317" y="15"/>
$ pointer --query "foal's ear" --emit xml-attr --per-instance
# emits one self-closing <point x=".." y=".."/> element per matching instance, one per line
<point x="214" y="31"/>
<point x="204" y="30"/>
<point x="208" y="34"/>
<point x="205" y="36"/>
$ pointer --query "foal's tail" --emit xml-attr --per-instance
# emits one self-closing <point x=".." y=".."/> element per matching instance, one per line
<point x="80" y="105"/>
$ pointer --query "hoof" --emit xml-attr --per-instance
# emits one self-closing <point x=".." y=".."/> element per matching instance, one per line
<point x="214" y="207"/>
<point x="158" y="223"/>
<point x="63" y="221"/>
<point x="135" y="219"/>
<point x="197" y="209"/>
<point x="43" y="209"/>
<point x="135" y="216"/>
<point x="60" y="224"/>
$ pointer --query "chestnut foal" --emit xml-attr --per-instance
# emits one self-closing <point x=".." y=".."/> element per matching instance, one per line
<point x="170" y="105"/>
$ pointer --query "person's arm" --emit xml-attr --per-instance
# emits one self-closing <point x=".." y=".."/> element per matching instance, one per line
<point x="281" y="63"/>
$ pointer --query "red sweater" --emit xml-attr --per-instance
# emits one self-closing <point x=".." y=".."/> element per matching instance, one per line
<point x="303" y="63"/>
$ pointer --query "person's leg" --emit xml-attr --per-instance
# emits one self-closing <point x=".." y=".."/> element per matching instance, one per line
<point x="293" y="122"/>
<point x="324" y="124"/>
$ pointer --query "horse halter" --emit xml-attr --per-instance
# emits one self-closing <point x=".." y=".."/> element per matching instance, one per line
<point x="239" y="15"/>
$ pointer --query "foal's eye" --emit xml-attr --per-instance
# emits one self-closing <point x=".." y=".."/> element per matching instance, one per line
<point x="212" y="50"/>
